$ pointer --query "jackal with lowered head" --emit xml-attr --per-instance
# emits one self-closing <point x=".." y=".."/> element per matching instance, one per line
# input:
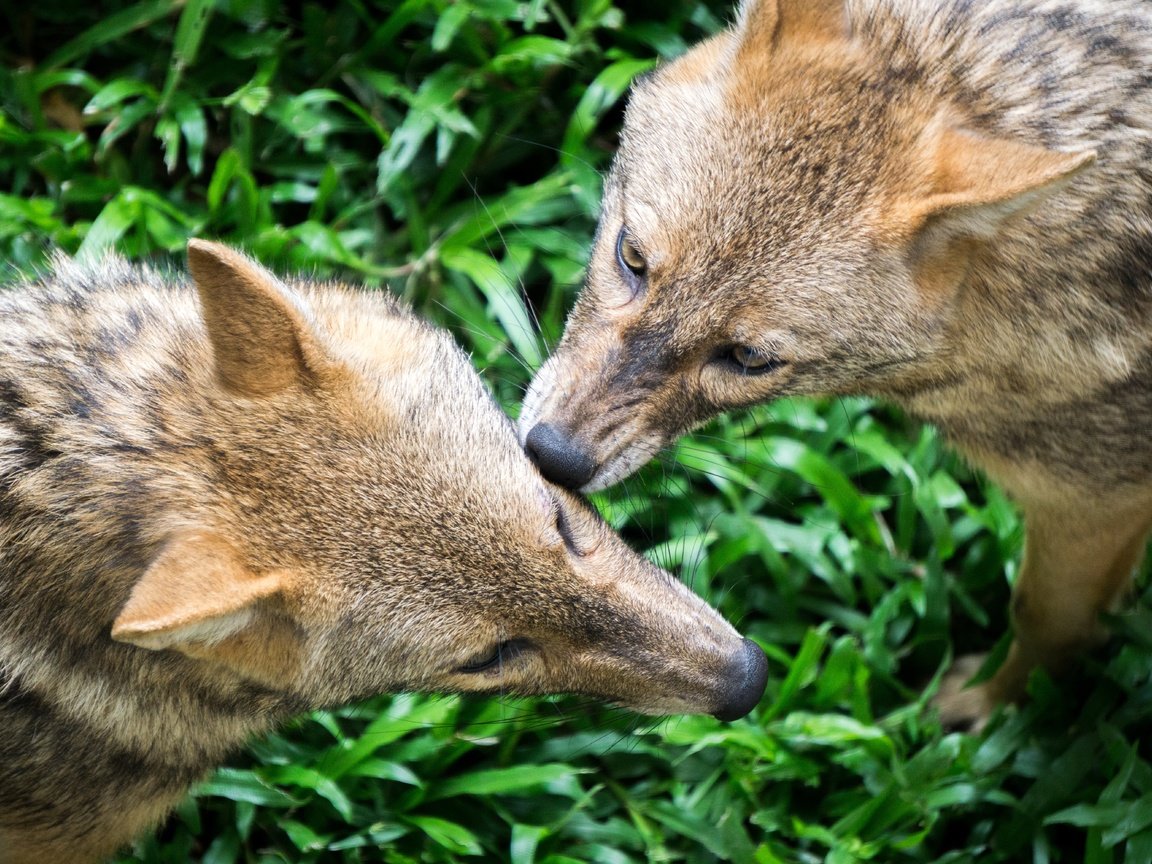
<point x="226" y="501"/>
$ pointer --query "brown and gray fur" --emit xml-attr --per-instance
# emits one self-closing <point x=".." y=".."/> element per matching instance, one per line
<point x="226" y="500"/>
<point x="947" y="204"/>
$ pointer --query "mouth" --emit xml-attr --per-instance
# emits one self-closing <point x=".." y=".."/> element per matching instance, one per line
<point x="626" y="459"/>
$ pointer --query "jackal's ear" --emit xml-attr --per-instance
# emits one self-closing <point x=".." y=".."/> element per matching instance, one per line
<point x="760" y="23"/>
<point x="196" y="593"/>
<point x="262" y="337"/>
<point x="976" y="183"/>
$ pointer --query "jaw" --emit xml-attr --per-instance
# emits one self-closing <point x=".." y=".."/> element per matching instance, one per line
<point x="635" y="453"/>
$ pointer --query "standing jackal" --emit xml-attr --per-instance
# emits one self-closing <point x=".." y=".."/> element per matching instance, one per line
<point x="946" y="204"/>
<point x="223" y="504"/>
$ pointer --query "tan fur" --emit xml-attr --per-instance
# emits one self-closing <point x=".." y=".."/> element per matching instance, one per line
<point x="944" y="204"/>
<point x="227" y="501"/>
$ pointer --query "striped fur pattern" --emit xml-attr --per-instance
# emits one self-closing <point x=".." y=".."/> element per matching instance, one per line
<point x="228" y="499"/>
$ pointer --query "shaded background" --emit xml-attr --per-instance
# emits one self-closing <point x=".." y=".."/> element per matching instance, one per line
<point x="452" y="153"/>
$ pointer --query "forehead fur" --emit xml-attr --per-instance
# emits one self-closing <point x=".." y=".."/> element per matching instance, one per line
<point x="419" y="397"/>
<point x="780" y="142"/>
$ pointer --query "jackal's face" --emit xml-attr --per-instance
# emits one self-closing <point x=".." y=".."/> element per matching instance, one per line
<point x="379" y="529"/>
<point x="784" y="215"/>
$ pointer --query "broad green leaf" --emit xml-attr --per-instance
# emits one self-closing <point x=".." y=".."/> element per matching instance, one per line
<point x="504" y="299"/>
<point x="189" y="32"/>
<point x="515" y="780"/>
<point x="239" y="785"/>
<point x="111" y="28"/>
<point x="406" y="716"/>
<point x="453" y="837"/>
<point x="114" y="220"/>
<point x="525" y="840"/>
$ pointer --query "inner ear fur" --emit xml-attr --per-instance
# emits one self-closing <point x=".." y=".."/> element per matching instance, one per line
<point x="976" y="183"/>
<point x="971" y="186"/>
<point x="197" y="592"/>
<point x="263" y="340"/>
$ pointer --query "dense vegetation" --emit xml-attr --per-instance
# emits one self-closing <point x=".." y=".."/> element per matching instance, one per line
<point x="451" y="152"/>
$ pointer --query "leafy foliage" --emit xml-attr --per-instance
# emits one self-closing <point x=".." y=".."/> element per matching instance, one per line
<point x="452" y="151"/>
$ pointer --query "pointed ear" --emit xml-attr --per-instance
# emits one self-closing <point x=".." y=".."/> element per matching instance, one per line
<point x="767" y="22"/>
<point x="196" y="593"/>
<point x="262" y="338"/>
<point x="977" y="183"/>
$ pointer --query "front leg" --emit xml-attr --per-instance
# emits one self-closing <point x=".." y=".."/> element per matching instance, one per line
<point x="1078" y="561"/>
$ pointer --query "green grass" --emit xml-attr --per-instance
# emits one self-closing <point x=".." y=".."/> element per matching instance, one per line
<point x="452" y="152"/>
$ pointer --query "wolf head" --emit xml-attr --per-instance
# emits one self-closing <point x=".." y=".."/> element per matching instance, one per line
<point x="787" y="213"/>
<point x="368" y="523"/>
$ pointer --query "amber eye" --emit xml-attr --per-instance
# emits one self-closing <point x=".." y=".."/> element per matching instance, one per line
<point x="751" y="361"/>
<point x="629" y="255"/>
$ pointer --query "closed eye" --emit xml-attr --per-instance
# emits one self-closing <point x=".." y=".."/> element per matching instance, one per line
<point x="494" y="659"/>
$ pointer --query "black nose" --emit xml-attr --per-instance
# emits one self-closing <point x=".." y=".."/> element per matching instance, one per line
<point x="747" y="686"/>
<point x="558" y="457"/>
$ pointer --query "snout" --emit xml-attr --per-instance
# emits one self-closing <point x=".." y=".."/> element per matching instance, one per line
<point x="559" y="458"/>
<point x="748" y="675"/>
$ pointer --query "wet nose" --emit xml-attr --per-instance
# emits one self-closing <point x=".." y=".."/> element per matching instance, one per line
<point x="558" y="457"/>
<point x="749" y="675"/>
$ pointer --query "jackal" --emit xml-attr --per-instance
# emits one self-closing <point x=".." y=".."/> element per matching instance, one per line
<point x="945" y="204"/>
<point x="227" y="501"/>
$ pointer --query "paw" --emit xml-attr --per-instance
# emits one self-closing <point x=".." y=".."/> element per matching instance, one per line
<point x="965" y="708"/>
